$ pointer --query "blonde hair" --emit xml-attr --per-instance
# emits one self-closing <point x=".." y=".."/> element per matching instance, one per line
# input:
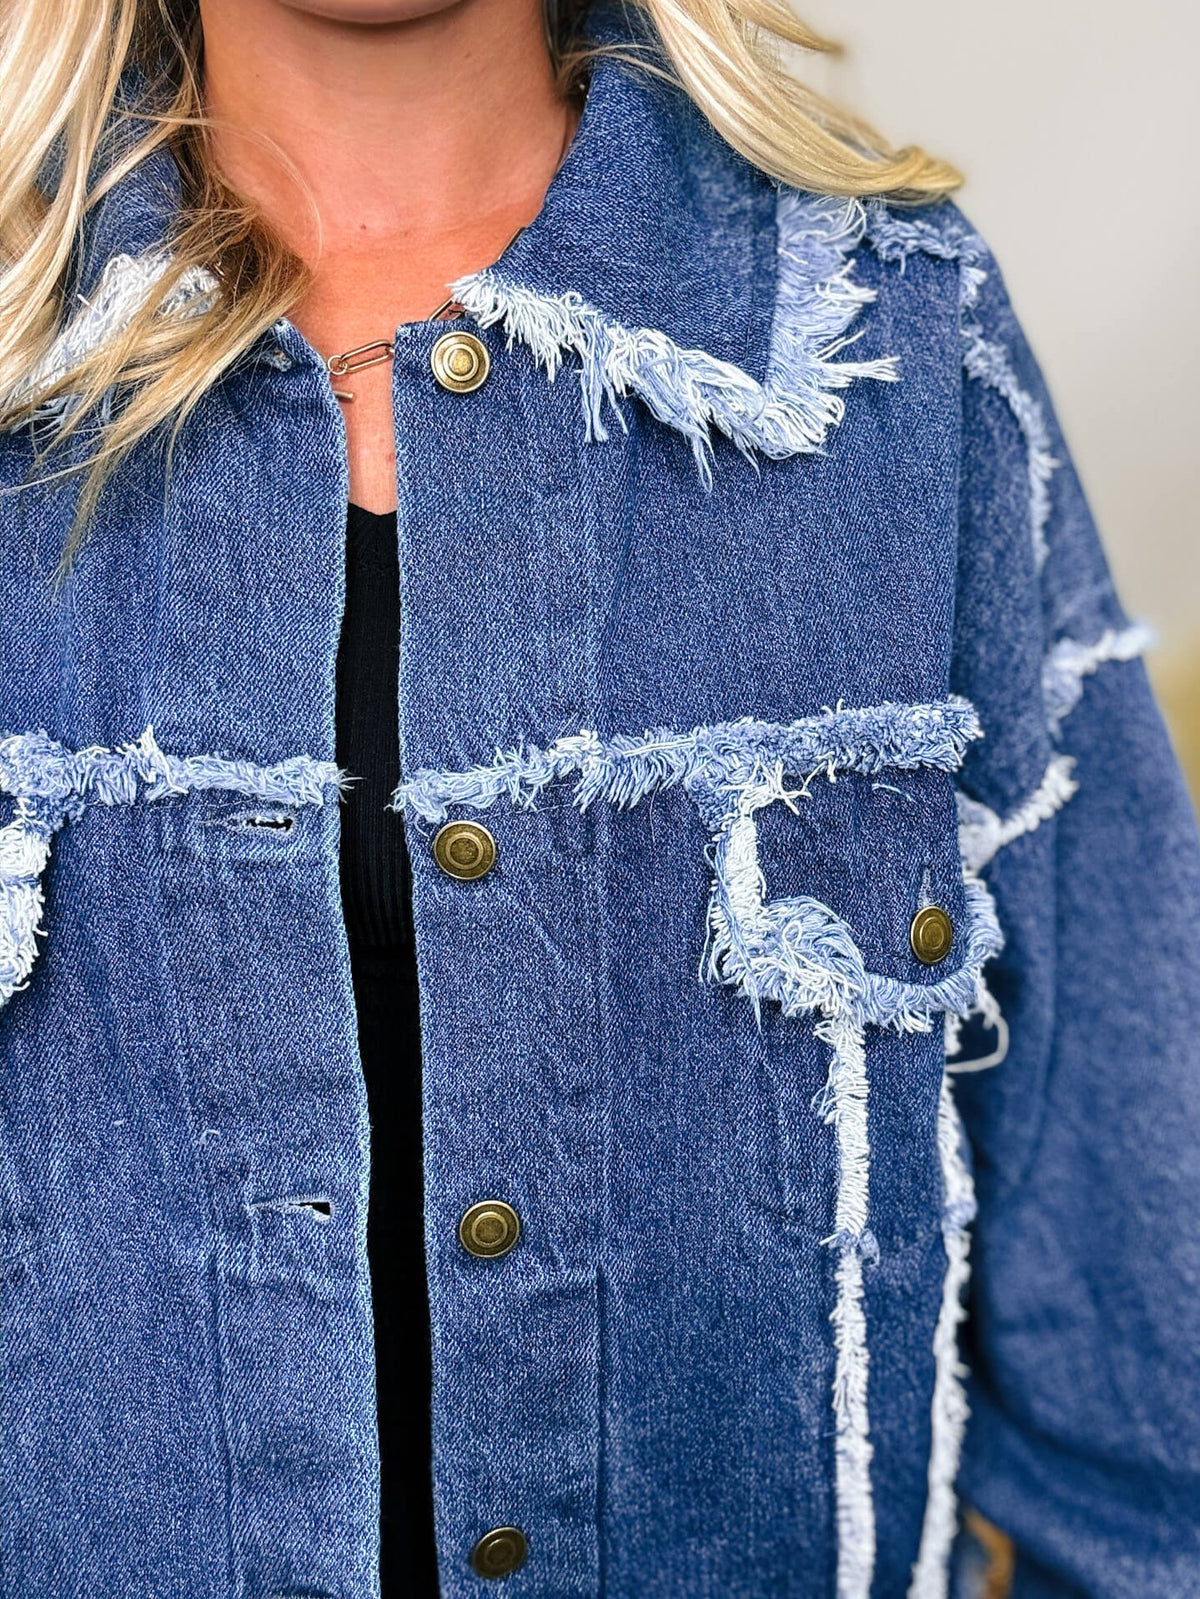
<point x="61" y="71"/>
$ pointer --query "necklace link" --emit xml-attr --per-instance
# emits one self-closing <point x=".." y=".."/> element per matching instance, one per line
<point x="339" y="365"/>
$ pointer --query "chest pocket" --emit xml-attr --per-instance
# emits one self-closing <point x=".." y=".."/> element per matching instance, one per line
<point x="854" y="906"/>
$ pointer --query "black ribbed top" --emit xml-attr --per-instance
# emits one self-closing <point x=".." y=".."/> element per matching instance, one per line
<point x="377" y="904"/>
<point x="375" y="872"/>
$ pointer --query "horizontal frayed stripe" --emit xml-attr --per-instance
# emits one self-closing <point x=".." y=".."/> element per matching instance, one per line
<point x="625" y="768"/>
<point x="34" y="766"/>
<point x="53" y="785"/>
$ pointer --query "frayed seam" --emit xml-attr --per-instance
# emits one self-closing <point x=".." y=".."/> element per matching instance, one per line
<point x="722" y="757"/>
<point x="33" y="765"/>
<point x="989" y="363"/>
<point x="843" y="1106"/>
<point x="1068" y="663"/>
<point x="895" y="239"/>
<point x="689" y="390"/>
<point x="982" y="834"/>
<point x="24" y="851"/>
<point x="125" y="286"/>
<point x="950" y="1412"/>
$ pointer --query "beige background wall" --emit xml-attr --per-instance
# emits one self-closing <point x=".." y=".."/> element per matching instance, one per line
<point x="1074" y="123"/>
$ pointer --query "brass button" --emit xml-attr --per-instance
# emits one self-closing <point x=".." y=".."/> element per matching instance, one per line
<point x="460" y="362"/>
<point x="931" y="935"/>
<point x="464" y="850"/>
<point x="489" y="1228"/>
<point x="500" y="1552"/>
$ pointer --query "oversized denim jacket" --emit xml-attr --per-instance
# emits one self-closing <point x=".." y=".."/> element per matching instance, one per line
<point x="753" y="605"/>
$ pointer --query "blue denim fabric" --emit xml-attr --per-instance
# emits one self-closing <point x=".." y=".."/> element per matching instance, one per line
<point x="643" y="1028"/>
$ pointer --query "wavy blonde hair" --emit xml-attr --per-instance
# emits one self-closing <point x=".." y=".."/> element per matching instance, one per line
<point x="61" y="70"/>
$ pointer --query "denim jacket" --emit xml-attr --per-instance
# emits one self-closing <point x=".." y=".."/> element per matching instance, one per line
<point x="827" y="1017"/>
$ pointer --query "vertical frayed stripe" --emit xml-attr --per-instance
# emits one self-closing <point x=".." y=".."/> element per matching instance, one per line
<point x="844" y="1107"/>
<point x="982" y="833"/>
<point x="895" y="238"/>
<point x="931" y="1573"/>
<point x="24" y="851"/>
<point x="693" y="392"/>
<point x="1069" y="662"/>
<point x="989" y="363"/>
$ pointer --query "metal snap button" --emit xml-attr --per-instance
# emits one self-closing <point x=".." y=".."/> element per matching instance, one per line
<point x="464" y="850"/>
<point x="489" y="1228"/>
<point x="460" y="362"/>
<point x="499" y="1552"/>
<point x="931" y="935"/>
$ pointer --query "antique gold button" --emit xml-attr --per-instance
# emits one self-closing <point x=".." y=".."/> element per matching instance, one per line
<point x="489" y="1228"/>
<point x="500" y="1552"/>
<point x="931" y="935"/>
<point x="460" y="362"/>
<point x="464" y="850"/>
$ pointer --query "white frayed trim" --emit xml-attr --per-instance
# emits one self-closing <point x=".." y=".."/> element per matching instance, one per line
<point x="895" y="238"/>
<point x="982" y="833"/>
<point x="844" y="1106"/>
<point x="694" y="392"/>
<point x="125" y="286"/>
<point x="24" y="851"/>
<point x="1069" y="662"/>
<point x="930" y="1578"/>
<point x="794" y="952"/>
<point x="990" y="364"/>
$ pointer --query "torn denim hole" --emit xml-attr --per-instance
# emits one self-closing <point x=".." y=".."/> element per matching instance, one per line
<point x="799" y="954"/>
<point x="254" y="821"/>
<point x="52" y="785"/>
<point x="318" y="1207"/>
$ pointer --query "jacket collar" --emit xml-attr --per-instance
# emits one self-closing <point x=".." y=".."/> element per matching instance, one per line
<point x="651" y="217"/>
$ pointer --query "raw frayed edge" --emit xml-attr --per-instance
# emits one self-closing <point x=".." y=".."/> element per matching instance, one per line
<point x="982" y="834"/>
<point x="34" y="766"/>
<point x="689" y="390"/>
<point x="53" y="785"/>
<point x="949" y="1415"/>
<point x="895" y="239"/>
<point x="24" y="851"/>
<point x="989" y="363"/>
<point x="844" y="1107"/>
<point x="724" y="756"/>
<point x="125" y="285"/>
<point x="1069" y="662"/>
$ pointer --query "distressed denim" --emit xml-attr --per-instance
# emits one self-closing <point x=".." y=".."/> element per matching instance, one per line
<point x="747" y="644"/>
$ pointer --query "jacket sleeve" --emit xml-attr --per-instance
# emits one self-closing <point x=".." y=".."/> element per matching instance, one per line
<point x="1083" y="1337"/>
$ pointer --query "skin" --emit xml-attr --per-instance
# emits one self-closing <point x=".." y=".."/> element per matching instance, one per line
<point x="395" y="146"/>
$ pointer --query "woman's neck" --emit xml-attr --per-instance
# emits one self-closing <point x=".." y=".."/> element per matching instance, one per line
<point x="434" y="137"/>
<point x="417" y="149"/>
